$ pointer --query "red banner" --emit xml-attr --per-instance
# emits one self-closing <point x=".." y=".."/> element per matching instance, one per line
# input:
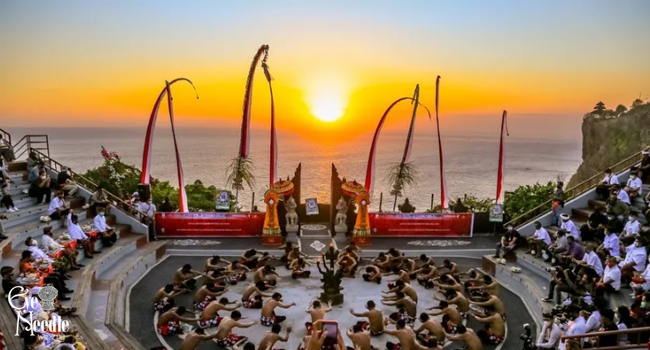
<point x="422" y="224"/>
<point x="193" y="224"/>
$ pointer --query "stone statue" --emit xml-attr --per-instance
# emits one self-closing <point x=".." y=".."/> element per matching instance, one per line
<point x="406" y="207"/>
<point x="292" y="216"/>
<point x="340" y="225"/>
<point x="331" y="278"/>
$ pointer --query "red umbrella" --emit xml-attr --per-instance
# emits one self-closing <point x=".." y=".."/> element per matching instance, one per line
<point x="351" y="188"/>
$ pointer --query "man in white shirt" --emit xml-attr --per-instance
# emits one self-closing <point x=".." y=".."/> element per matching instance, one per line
<point x="641" y="282"/>
<point x="610" y="246"/>
<point x="631" y="229"/>
<point x="579" y="326"/>
<point x="634" y="186"/>
<point x="611" y="280"/>
<point x="105" y="232"/>
<point x="570" y="227"/>
<point x="593" y="322"/>
<point x="77" y="233"/>
<point x="590" y="263"/>
<point x="58" y="208"/>
<point x="538" y="241"/>
<point x="549" y="337"/>
<point x="623" y="196"/>
<point x="37" y="253"/>
<point x="634" y="259"/>
<point x="606" y="185"/>
<point x="53" y="247"/>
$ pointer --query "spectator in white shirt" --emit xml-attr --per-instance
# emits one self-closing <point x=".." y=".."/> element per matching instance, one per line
<point x="58" y="207"/>
<point x="611" y="280"/>
<point x="37" y="253"/>
<point x="105" y="232"/>
<point x="579" y="326"/>
<point x="593" y="322"/>
<point x="607" y="184"/>
<point x="549" y="337"/>
<point x="538" y="241"/>
<point x="53" y="247"/>
<point x="77" y="233"/>
<point x="641" y="281"/>
<point x="631" y="229"/>
<point x="623" y="196"/>
<point x="610" y="246"/>
<point x="634" y="259"/>
<point x="634" y="186"/>
<point x="590" y="263"/>
<point x="570" y="227"/>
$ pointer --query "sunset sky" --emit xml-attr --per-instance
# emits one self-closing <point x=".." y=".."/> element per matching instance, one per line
<point x="102" y="62"/>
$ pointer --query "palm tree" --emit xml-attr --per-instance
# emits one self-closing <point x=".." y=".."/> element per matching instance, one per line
<point x="399" y="176"/>
<point x="240" y="171"/>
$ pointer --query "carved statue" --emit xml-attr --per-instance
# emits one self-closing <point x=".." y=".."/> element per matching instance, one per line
<point x="292" y="217"/>
<point x="331" y="278"/>
<point x="406" y="207"/>
<point x="271" y="225"/>
<point x="341" y="208"/>
<point x="362" y="224"/>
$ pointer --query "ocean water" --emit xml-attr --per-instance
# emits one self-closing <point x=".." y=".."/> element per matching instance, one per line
<point x="470" y="158"/>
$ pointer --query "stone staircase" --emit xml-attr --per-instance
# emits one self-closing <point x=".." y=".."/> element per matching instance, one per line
<point x="120" y="264"/>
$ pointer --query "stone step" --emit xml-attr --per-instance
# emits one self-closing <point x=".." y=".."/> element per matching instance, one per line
<point x="18" y="177"/>
<point x="33" y="213"/>
<point x="18" y="189"/>
<point x="35" y="229"/>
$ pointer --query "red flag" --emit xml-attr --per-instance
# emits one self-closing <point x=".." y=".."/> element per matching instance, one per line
<point x="501" y="170"/>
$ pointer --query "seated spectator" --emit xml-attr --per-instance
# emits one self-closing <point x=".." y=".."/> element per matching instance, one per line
<point x="579" y="325"/>
<point x="40" y="188"/>
<point x="635" y="258"/>
<point x="509" y="242"/>
<point x="4" y="167"/>
<point x="54" y="248"/>
<point x="549" y="336"/>
<point x="603" y="190"/>
<point x="644" y="168"/>
<point x="590" y="263"/>
<point x="77" y="233"/>
<point x="559" y="246"/>
<point x="55" y="279"/>
<point x="58" y="209"/>
<point x="539" y="241"/>
<point x="6" y="150"/>
<point x="611" y="280"/>
<point x="32" y="161"/>
<point x="99" y="198"/>
<point x="66" y="183"/>
<point x="617" y="207"/>
<point x="634" y="186"/>
<point x="569" y="226"/>
<point x="631" y="229"/>
<point x="610" y="246"/>
<point x="35" y="172"/>
<point x="641" y="281"/>
<point x="560" y="282"/>
<point x="6" y="200"/>
<point x="558" y="203"/>
<point x="575" y="251"/>
<point x="590" y="230"/>
<point x="622" y="195"/>
<point x="105" y="232"/>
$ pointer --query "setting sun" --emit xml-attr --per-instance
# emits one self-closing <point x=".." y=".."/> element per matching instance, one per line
<point x="327" y="107"/>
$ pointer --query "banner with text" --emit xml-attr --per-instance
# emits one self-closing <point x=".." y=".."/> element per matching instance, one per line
<point x="422" y="224"/>
<point x="209" y="224"/>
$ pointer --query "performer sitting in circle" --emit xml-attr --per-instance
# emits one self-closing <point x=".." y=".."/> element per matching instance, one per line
<point x="207" y="294"/>
<point x="294" y="255"/>
<point x="193" y="338"/>
<point x="164" y="297"/>
<point x="426" y="275"/>
<point x="492" y="305"/>
<point x="448" y="282"/>
<point x="375" y="323"/>
<point x="265" y="259"/>
<point x="169" y="322"/>
<point x="317" y="312"/>
<point x="400" y="286"/>
<point x="383" y="261"/>
<point x="353" y="247"/>
<point x="268" y="317"/>
<point x="433" y="327"/>
<point x="407" y="264"/>
<point x="404" y="335"/>
<point x="494" y="332"/>
<point x="451" y="318"/>
<point x="373" y="274"/>
<point x="288" y="248"/>
<point x="249" y="258"/>
<point x="297" y="268"/>
<point x="267" y="275"/>
<point x="184" y="278"/>
<point x="467" y="336"/>
<point x="210" y="315"/>
<point x="252" y="297"/>
<point x="360" y="338"/>
<point x="452" y="267"/>
<point x="236" y="272"/>
<point x="489" y="286"/>
<point x="216" y="278"/>
<point x="458" y="299"/>
<point x="348" y="264"/>
<point x="407" y="308"/>
<point x="214" y="261"/>
<point x="225" y="337"/>
<point x="402" y="275"/>
<point x="272" y="337"/>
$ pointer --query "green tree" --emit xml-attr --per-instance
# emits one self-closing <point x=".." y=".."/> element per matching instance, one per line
<point x="525" y="198"/>
<point x="636" y="103"/>
<point x="620" y="109"/>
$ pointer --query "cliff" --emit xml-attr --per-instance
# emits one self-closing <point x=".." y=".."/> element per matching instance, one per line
<point x="606" y="140"/>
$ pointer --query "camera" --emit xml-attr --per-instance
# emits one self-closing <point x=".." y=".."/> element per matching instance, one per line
<point x="527" y="337"/>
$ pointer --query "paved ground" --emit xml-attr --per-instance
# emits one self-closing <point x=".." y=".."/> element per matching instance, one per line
<point x="302" y="292"/>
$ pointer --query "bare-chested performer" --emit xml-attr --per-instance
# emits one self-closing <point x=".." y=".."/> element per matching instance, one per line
<point x="267" y="275"/>
<point x="213" y="263"/>
<point x="400" y="286"/>
<point x="432" y="326"/>
<point x="184" y="278"/>
<point x="351" y="251"/>
<point x="205" y="295"/>
<point x="383" y="262"/>
<point x="495" y="330"/>
<point x="373" y="274"/>
<point x="426" y="275"/>
<point x="317" y="312"/>
<point x="297" y="268"/>
<point x="458" y="299"/>
<point x="210" y="315"/>
<point x="249" y="258"/>
<point x="169" y="322"/>
<point x="407" y="308"/>
<point x="216" y="277"/>
<point x="293" y="255"/>
<point x="451" y="318"/>
<point x="193" y="338"/>
<point x="408" y="265"/>
<point x="468" y="337"/>
<point x="252" y="297"/>
<point x="360" y="338"/>
<point x="349" y="265"/>
<point x="265" y="259"/>
<point x="404" y="334"/>
<point x="452" y="267"/>
<point x="426" y="260"/>
<point x="490" y="286"/>
<point x="402" y="275"/>
<point x="492" y="305"/>
<point x="268" y="317"/>
<point x="447" y="281"/>
<point x="288" y="248"/>
<point x="236" y="272"/>
<point x="375" y="323"/>
<point x="272" y="337"/>
<point x="353" y="247"/>
<point x="225" y="337"/>
<point x="164" y="297"/>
